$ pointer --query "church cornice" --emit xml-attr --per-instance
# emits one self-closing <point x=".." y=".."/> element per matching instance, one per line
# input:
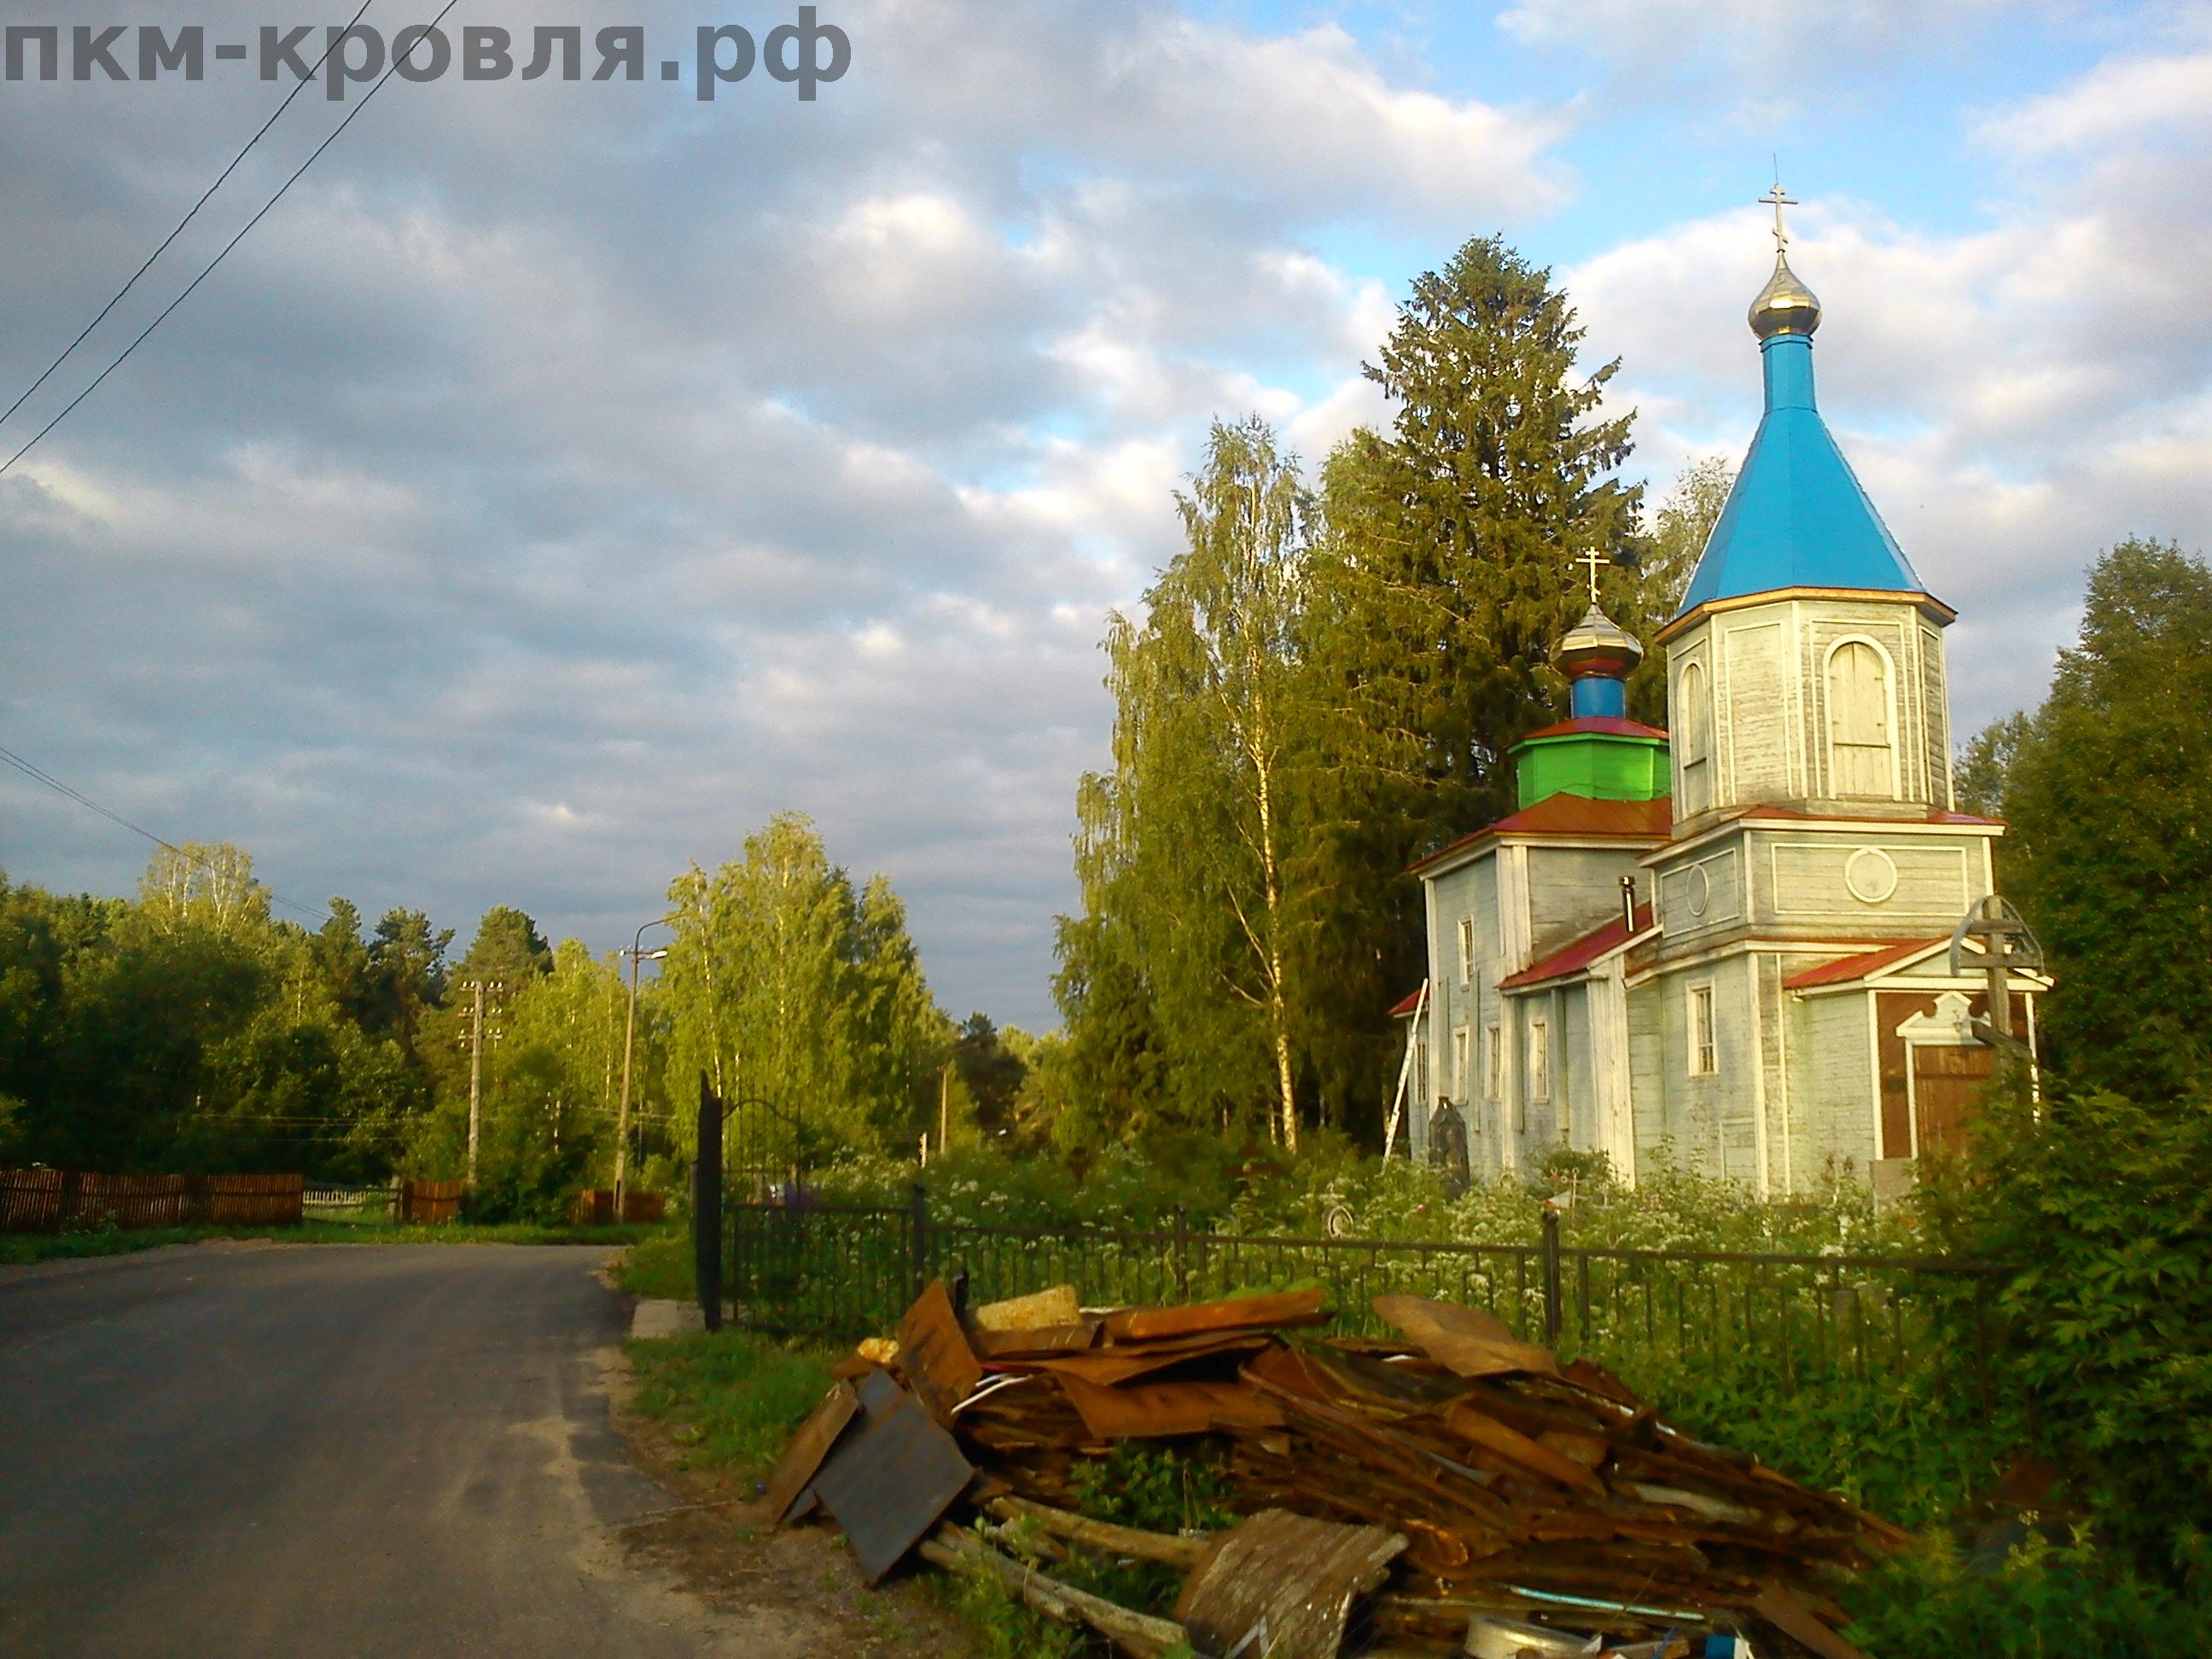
<point x="1927" y="603"/>
<point x="1785" y="818"/>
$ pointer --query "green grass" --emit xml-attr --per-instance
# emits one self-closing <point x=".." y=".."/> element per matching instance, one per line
<point x="16" y="1249"/>
<point x="659" y="1265"/>
<point x="729" y="1398"/>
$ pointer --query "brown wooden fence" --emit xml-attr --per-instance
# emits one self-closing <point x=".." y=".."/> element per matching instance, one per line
<point x="59" y="1201"/>
<point x="596" y="1208"/>
<point x="430" y="1202"/>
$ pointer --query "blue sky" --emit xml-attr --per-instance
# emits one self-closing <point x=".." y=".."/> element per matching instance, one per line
<point x="565" y="479"/>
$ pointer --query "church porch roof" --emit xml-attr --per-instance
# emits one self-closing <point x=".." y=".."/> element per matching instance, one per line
<point x="1867" y="963"/>
<point x="1579" y="956"/>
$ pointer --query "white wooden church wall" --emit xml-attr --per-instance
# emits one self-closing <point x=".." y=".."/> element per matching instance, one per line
<point x="1765" y="680"/>
<point x="1702" y="894"/>
<point x="1832" y="1084"/>
<point x="1573" y="891"/>
<point x="1913" y="882"/>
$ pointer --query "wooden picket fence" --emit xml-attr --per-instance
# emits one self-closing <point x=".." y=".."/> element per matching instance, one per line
<point x="429" y="1203"/>
<point x="596" y="1208"/>
<point x="65" y="1201"/>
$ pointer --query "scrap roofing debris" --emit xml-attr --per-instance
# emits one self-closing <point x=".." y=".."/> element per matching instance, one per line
<point x="1456" y="1490"/>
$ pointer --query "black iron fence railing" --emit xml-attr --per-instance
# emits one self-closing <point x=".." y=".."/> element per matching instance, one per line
<point x="842" y="1272"/>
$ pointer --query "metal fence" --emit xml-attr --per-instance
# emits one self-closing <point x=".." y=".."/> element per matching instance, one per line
<point x="842" y="1272"/>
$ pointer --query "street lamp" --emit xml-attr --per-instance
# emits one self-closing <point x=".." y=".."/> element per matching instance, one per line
<point x="637" y="953"/>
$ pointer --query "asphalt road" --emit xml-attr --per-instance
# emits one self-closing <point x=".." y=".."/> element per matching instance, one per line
<point x="348" y="1451"/>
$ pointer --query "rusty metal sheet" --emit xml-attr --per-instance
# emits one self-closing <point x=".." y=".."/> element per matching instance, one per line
<point x="1238" y="1313"/>
<point x="1035" y="1344"/>
<point x="804" y="1455"/>
<point x="1057" y="1306"/>
<point x="1467" y="1339"/>
<point x="1107" y="1366"/>
<point x="940" y="1367"/>
<point x="1159" y="1410"/>
<point x="888" y="1486"/>
<point x="1283" y="1585"/>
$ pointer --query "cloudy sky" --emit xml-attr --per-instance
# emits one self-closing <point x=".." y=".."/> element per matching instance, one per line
<point x="565" y="477"/>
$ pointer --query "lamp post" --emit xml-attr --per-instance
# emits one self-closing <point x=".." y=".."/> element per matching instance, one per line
<point x="637" y="953"/>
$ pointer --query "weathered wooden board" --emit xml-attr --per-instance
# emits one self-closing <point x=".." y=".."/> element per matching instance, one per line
<point x="1057" y="1306"/>
<point x="1470" y="1341"/>
<point x="1283" y="1584"/>
<point x="815" y="1437"/>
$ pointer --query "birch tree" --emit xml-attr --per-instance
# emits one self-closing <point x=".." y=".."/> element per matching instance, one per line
<point x="1193" y="842"/>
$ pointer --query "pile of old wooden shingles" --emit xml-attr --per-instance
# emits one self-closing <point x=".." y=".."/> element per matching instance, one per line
<point x="1453" y="1491"/>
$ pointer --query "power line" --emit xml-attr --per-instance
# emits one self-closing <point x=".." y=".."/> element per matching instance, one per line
<point x="259" y="134"/>
<point x="40" y="775"/>
<point x="376" y="86"/>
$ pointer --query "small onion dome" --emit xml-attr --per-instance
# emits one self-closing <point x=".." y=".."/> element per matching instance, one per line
<point x="1784" y="306"/>
<point x="1597" y="647"/>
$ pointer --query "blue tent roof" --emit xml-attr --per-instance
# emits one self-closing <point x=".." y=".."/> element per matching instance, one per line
<point x="1797" y="517"/>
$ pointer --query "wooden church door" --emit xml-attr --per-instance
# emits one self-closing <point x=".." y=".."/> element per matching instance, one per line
<point x="1947" y="1079"/>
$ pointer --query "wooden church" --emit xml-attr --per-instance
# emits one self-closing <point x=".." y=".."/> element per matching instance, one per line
<point x="1730" y="946"/>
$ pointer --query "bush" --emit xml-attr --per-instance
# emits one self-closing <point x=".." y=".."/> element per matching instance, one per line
<point x="2106" y="1205"/>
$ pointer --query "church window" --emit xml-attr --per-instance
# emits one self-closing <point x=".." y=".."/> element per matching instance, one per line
<point x="1704" y="1057"/>
<point x="1495" y="1084"/>
<point x="1459" y="1063"/>
<point x="1540" y="1060"/>
<point x="1466" y="949"/>
<point x="1861" y="759"/>
<point x="1694" y="738"/>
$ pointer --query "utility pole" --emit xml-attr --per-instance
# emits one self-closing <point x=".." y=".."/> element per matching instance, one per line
<point x="476" y="1069"/>
<point x="637" y="953"/>
<point x="476" y="1079"/>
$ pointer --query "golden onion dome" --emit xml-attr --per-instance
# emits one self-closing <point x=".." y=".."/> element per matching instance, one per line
<point x="1598" y="646"/>
<point x="1786" y="305"/>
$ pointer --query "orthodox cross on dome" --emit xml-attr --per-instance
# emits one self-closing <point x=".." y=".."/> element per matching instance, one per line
<point x="1779" y="202"/>
<point x="1593" y="561"/>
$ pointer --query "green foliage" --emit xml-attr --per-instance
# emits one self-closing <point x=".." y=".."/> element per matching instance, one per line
<point x="2040" y="1600"/>
<point x="786" y="985"/>
<point x="2104" y="1203"/>
<point x="663" y="1266"/>
<point x="1318" y="692"/>
<point x="731" y="1399"/>
<point x="17" y="1248"/>
<point x="1192" y="853"/>
<point x="2108" y="787"/>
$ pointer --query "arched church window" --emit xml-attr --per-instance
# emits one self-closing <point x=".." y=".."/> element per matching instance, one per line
<point x="1693" y="737"/>
<point x="1861" y="759"/>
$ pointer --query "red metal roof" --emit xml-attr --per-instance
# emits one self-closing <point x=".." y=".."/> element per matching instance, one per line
<point x="1857" y="967"/>
<point x="1403" y="1008"/>
<point x="1608" y="724"/>
<point x="1579" y="955"/>
<point x="1571" y="816"/>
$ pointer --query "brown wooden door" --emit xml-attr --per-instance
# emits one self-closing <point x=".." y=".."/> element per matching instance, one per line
<point x="1948" y="1079"/>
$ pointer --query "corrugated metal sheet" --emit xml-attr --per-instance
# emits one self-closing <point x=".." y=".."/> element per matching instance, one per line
<point x="889" y="1485"/>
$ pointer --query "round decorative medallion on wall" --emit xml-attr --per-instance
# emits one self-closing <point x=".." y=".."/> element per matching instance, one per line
<point x="1697" y="889"/>
<point x="1871" y="874"/>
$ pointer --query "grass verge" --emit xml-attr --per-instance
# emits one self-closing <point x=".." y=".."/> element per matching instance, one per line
<point x="659" y="1265"/>
<point x="729" y="1400"/>
<point x="17" y="1248"/>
